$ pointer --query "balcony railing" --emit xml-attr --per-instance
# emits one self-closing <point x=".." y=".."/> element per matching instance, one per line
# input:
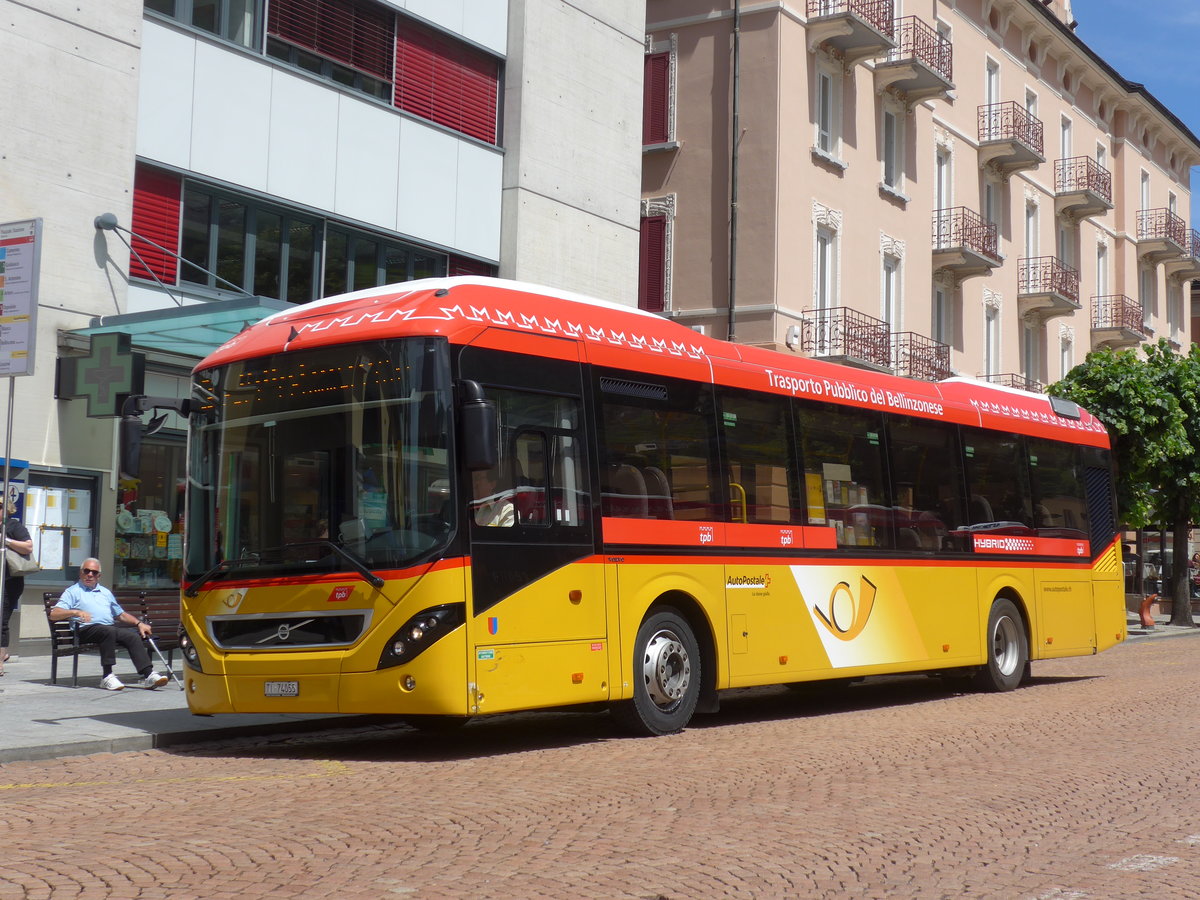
<point x="962" y="227"/>
<point x="1082" y="173"/>
<point x="917" y="40"/>
<point x="878" y="13"/>
<point x="1015" y="380"/>
<point x="1048" y="275"/>
<point x="1010" y="122"/>
<point x="1163" y="225"/>
<point x="917" y="356"/>
<point x="1117" y="311"/>
<point x="845" y="332"/>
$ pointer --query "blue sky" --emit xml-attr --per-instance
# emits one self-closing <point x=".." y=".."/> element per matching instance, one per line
<point x="1157" y="43"/>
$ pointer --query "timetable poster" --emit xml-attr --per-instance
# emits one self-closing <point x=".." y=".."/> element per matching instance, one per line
<point x="20" y="255"/>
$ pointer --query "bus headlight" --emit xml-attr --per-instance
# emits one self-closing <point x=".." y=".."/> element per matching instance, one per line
<point x="420" y="632"/>
<point x="188" y="649"/>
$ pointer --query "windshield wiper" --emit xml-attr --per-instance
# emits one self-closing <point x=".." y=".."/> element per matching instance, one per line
<point x="355" y="562"/>
<point x="222" y="568"/>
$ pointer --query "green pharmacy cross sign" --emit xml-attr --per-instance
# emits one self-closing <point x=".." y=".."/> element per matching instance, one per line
<point x="106" y="376"/>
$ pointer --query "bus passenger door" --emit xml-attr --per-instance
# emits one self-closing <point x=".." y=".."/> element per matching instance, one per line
<point x="538" y="624"/>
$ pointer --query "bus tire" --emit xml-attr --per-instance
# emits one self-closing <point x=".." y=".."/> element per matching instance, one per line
<point x="666" y="676"/>
<point x="1007" y="649"/>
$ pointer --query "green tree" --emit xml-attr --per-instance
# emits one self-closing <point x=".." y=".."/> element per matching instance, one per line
<point x="1151" y="407"/>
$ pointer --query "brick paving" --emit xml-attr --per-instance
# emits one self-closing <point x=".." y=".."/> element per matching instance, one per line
<point x="1080" y="785"/>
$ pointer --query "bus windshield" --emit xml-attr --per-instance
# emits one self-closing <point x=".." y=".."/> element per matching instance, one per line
<point x="333" y="459"/>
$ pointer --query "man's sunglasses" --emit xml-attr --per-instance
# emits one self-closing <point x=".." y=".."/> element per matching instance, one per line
<point x="90" y="571"/>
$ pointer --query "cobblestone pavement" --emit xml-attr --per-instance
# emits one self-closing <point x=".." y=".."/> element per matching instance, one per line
<point x="1080" y="785"/>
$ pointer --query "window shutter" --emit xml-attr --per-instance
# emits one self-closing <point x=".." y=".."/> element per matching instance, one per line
<point x="656" y="98"/>
<point x="460" y="265"/>
<point x="350" y="32"/>
<point x="446" y="82"/>
<point x="652" y="264"/>
<point x="156" y="217"/>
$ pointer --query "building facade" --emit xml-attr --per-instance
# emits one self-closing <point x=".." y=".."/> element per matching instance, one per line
<point x="931" y="187"/>
<point x="196" y="164"/>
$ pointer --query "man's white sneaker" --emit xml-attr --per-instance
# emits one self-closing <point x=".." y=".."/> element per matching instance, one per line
<point x="111" y="682"/>
<point x="152" y="681"/>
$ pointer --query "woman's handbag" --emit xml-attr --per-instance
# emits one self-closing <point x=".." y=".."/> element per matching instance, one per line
<point x="19" y="565"/>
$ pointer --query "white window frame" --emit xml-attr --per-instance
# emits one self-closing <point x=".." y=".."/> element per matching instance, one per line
<point x="1066" y="351"/>
<point x="890" y="291"/>
<point x="892" y="157"/>
<point x="991" y="339"/>
<point x="991" y="81"/>
<point x="1144" y="195"/>
<point x="1030" y="350"/>
<point x="940" y="325"/>
<point x="1064" y="137"/>
<point x="1031" y="230"/>
<point x="1101" y="155"/>
<point x="825" y="266"/>
<point x="1101" y="270"/>
<point x="827" y="111"/>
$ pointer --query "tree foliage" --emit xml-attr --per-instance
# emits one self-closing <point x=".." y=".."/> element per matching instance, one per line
<point x="1150" y="403"/>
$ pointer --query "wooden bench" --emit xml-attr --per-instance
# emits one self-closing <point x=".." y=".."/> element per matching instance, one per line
<point x="162" y="612"/>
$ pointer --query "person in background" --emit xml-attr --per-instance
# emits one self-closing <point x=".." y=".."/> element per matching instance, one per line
<point x="99" y="617"/>
<point x="16" y="537"/>
<point x="491" y="506"/>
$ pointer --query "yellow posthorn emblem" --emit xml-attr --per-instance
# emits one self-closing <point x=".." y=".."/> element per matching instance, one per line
<point x="845" y="616"/>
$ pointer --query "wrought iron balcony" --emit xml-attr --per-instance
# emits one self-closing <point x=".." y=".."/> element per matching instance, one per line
<point x="1047" y="287"/>
<point x="1187" y="267"/>
<point x="1117" y="321"/>
<point x="1010" y="139"/>
<point x="848" y="336"/>
<point x="854" y="29"/>
<point x="1161" y="235"/>
<point x="1015" y="380"/>
<point x="917" y="356"/>
<point x="1082" y="187"/>
<point x="921" y="65"/>
<point x="963" y="243"/>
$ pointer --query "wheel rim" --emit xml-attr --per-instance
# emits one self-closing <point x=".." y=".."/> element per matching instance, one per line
<point x="666" y="669"/>
<point x="1005" y="645"/>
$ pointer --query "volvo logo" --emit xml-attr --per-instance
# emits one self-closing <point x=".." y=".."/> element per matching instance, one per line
<point x="284" y="631"/>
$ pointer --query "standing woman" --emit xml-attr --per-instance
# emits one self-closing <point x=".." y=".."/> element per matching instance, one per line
<point x="16" y="537"/>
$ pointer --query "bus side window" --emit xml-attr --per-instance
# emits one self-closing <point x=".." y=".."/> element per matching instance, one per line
<point x="759" y="462"/>
<point x="1060" y="506"/>
<point x="842" y="454"/>
<point x="656" y="449"/>
<point x="998" y="496"/>
<point x="542" y="462"/>
<point x="927" y="483"/>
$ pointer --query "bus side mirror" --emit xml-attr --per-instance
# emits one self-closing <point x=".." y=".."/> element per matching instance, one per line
<point x="480" y="432"/>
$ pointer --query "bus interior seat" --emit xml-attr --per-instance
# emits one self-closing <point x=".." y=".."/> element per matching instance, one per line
<point x="626" y="495"/>
<point x="658" y="490"/>
<point x="980" y="510"/>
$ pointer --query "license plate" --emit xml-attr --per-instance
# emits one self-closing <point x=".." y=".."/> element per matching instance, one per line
<point x="281" y="689"/>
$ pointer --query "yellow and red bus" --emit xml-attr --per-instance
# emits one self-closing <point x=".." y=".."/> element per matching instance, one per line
<point x="459" y="497"/>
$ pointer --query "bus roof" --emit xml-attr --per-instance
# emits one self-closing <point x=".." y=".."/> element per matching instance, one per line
<point x="528" y="318"/>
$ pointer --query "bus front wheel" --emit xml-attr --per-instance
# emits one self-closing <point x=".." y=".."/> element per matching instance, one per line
<point x="1007" y="649"/>
<point x="666" y="676"/>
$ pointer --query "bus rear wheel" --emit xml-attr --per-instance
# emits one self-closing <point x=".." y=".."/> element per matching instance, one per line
<point x="666" y="676"/>
<point x="1007" y="649"/>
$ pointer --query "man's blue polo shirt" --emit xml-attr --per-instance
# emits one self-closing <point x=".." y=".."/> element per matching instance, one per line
<point x="98" y="602"/>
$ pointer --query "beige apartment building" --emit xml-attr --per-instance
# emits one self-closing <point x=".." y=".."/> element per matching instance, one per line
<point x="931" y="187"/>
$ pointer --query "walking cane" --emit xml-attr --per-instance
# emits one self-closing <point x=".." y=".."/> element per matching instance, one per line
<point x="163" y="659"/>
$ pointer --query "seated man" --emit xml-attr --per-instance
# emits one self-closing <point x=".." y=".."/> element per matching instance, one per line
<point x="491" y="506"/>
<point x="97" y="614"/>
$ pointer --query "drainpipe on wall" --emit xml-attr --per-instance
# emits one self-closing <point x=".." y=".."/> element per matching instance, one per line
<point x="733" y="167"/>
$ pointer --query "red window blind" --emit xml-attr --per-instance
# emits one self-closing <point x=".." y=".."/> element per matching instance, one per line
<point x="652" y="264"/>
<point x="447" y="82"/>
<point x="656" y="99"/>
<point x="155" y="216"/>
<point x="355" y="33"/>
<point x="460" y="265"/>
